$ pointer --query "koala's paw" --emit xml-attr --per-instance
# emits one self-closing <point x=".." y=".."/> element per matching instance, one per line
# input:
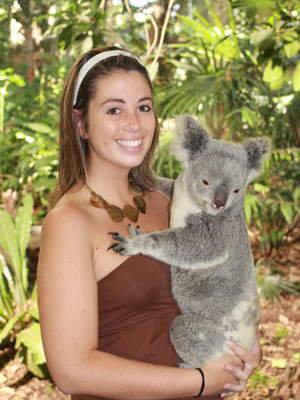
<point x="126" y="246"/>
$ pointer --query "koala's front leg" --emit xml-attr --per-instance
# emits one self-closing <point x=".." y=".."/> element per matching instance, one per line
<point x="175" y="246"/>
<point x="155" y="244"/>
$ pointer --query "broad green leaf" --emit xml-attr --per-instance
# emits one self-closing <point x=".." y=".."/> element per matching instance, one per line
<point x="290" y="35"/>
<point x="296" y="194"/>
<point x="23" y="223"/>
<point x="254" y="3"/>
<point x="39" y="127"/>
<point x="247" y="208"/>
<point x="248" y="116"/>
<point x="8" y="240"/>
<point x="6" y="289"/>
<point x="34" y="311"/>
<point x="33" y="365"/>
<point x="291" y="49"/>
<point x="31" y="338"/>
<point x="259" y="187"/>
<point x="287" y="212"/>
<point x="273" y="75"/>
<point x="228" y="48"/>
<point x="296" y="78"/>
<point x="7" y="274"/>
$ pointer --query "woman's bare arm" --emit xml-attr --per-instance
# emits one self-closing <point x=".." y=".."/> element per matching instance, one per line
<point x="68" y="305"/>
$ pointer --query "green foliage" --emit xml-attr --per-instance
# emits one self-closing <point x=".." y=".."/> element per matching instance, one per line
<point x="239" y="75"/>
<point x="281" y="332"/>
<point x="18" y="302"/>
<point x="259" y="379"/>
<point x="271" y="283"/>
<point x="275" y="200"/>
<point x="165" y="164"/>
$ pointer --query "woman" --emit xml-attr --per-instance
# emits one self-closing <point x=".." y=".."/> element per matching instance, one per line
<point x="105" y="319"/>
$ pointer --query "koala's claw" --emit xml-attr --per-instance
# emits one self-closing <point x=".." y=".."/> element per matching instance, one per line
<point x="125" y="246"/>
<point x="118" y="236"/>
<point x="133" y="231"/>
<point x="117" y="248"/>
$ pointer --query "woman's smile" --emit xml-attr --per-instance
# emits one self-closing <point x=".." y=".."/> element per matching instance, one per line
<point x="132" y="145"/>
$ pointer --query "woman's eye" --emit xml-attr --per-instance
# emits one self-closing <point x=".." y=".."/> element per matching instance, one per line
<point x="204" y="181"/>
<point x="236" y="190"/>
<point x="145" y="108"/>
<point x="114" y="111"/>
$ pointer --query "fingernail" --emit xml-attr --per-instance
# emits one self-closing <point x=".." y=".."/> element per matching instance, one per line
<point x="228" y="368"/>
<point x="226" y="386"/>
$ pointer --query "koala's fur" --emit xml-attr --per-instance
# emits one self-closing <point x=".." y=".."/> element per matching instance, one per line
<point x="207" y="247"/>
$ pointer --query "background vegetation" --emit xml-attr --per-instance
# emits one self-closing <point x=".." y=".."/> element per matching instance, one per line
<point x="235" y="65"/>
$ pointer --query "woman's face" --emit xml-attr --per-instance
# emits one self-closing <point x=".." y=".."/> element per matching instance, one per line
<point x="120" y="120"/>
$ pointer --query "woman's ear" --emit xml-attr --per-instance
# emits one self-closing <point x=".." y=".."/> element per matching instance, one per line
<point x="79" y="124"/>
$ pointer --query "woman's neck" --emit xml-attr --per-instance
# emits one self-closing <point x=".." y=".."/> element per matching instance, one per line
<point x="111" y="183"/>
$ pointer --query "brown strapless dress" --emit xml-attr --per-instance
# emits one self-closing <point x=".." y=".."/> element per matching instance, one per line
<point x="136" y="308"/>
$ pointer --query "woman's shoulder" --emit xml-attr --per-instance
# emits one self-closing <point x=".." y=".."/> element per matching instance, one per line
<point x="67" y="214"/>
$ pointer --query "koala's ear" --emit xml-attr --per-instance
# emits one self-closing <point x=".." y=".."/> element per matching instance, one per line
<point x="190" y="138"/>
<point x="256" y="149"/>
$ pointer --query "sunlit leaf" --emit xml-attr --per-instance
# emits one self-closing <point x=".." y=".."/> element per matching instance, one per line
<point x="296" y="78"/>
<point x="273" y="75"/>
<point x="279" y="363"/>
<point x="23" y="223"/>
<point x="31" y="338"/>
<point x="7" y="329"/>
<point x="291" y="49"/>
<point x="287" y="211"/>
<point x="39" y="127"/>
<point x="8" y="240"/>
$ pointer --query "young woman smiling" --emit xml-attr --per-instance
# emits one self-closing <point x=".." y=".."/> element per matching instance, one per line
<point x="105" y="318"/>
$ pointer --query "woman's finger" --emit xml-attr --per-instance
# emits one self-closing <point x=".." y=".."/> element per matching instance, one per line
<point x="238" y="350"/>
<point x="241" y="375"/>
<point x="248" y="369"/>
<point x="226" y="394"/>
<point x="248" y="357"/>
<point x="231" y="387"/>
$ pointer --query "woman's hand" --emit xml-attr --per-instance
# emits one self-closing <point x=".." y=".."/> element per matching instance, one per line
<point x="250" y="360"/>
<point x="229" y="374"/>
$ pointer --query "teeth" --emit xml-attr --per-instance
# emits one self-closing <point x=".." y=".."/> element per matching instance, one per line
<point x="130" y="143"/>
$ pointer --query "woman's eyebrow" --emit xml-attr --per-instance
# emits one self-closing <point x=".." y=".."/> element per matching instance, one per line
<point x="113" y="100"/>
<point x="144" y="99"/>
<point x="123" y="101"/>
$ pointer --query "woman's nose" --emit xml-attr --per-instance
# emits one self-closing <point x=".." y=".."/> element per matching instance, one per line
<point x="132" y="122"/>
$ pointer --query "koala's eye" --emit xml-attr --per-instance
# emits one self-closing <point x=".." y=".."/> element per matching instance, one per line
<point x="236" y="190"/>
<point x="205" y="182"/>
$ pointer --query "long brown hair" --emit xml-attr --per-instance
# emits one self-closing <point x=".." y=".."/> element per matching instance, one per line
<point x="73" y="149"/>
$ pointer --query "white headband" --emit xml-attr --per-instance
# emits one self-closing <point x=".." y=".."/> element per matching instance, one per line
<point x="93" y="61"/>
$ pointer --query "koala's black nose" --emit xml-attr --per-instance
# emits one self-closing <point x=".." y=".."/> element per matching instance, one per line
<point x="221" y="196"/>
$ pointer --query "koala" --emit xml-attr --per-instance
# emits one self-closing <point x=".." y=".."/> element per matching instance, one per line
<point x="207" y="245"/>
